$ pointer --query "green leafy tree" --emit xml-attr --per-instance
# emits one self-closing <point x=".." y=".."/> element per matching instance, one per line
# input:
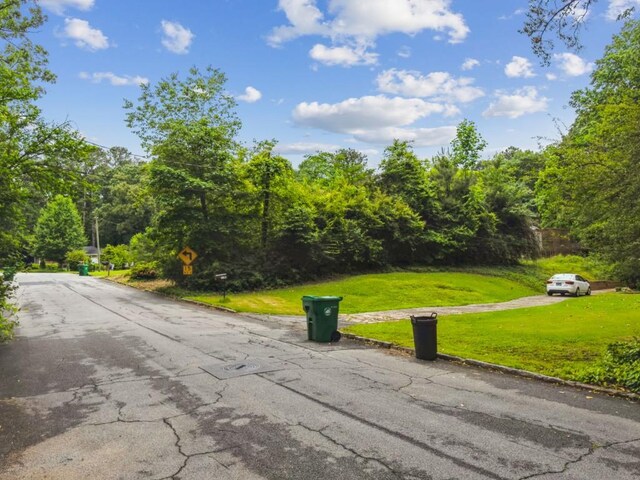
<point x="125" y="206"/>
<point x="467" y="145"/>
<point x="59" y="230"/>
<point x="36" y="157"/>
<point x="591" y="183"/>
<point x="269" y="173"/>
<point x="118" y="255"/>
<point x="188" y="126"/>
<point x="74" y="258"/>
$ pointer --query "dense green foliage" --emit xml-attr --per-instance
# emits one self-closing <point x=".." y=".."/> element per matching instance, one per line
<point x="117" y="255"/>
<point x="563" y="340"/>
<point x="59" y="230"/>
<point x="145" y="271"/>
<point x="36" y="158"/>
<point x="591" y="181"/>
<point x="620" y="365"/>
<point x="8" y="321"/>
<point x="249" y="213"/>
<point x="75" y="258"/>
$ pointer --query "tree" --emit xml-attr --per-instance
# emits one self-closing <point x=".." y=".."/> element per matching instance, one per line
<point x="267" y="172"/>
<point x="591" y="183"/>
<point x="565" y="20"/>
<point x="125" y="207"/>
<point x="327" y="167"/>
<point x="59" y="230"/>
<point x="118" y="255"/>
<point x="467" y="145"/>
<point x="36" y="157"/>
<point x="188" y="126"/>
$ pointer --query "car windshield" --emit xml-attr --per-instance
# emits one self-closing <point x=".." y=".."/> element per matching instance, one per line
<point x="563" y="276"/>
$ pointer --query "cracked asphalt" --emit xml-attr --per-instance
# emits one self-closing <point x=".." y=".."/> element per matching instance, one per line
<point x="104" y="382"/>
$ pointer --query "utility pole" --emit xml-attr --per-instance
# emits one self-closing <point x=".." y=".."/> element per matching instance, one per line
<point x="98" y="242"/>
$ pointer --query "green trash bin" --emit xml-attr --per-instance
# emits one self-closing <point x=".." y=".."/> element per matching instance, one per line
<point x="322" y="317"/>
<point x="83" y="270"/>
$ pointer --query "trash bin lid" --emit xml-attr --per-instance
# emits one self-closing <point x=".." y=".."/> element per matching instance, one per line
<point x="424" y="319"/>
<point x="324" y="298"/>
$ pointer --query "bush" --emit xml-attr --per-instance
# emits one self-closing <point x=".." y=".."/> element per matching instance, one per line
<point x="75" y="258"/>
<point x="620" y="366"/>
<point x="8" y="321"/>
<point x="145" y="271"/>
<point x="8" y="273"/>
<point x="118" y="255"/>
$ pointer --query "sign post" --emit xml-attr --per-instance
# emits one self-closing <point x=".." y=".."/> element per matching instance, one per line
<point x="222" y="277"/>
<point x="187" y="256"/>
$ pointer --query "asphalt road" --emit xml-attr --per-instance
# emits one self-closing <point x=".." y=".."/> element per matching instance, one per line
<point x="107" y="382"/>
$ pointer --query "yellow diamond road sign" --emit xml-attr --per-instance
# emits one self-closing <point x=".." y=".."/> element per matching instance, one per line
<point x="187" y="256"/>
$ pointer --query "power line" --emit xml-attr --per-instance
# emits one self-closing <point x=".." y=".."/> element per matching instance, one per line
<point x="143" y="157"/>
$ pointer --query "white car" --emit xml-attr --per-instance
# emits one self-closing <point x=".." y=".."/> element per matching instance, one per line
<point x="568" y="283"/>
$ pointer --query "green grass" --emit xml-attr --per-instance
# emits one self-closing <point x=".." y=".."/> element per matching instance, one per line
<point x="559" y="340"/>
<point x="377" y="292"/>
<point x="113" y="273"/>
<point x="588" y="267"/>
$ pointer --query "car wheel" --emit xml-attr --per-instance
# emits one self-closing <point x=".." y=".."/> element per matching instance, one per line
<point x="577" y="294"/>
<point x="550" y="294"/>
<point x="588" y="291"/>
<point x="562" y="293"/>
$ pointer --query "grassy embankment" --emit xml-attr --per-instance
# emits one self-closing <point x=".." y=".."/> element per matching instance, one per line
<point x="396" y="290"/>
<point x="417" y="288"/>
<point x="561" y="340"/>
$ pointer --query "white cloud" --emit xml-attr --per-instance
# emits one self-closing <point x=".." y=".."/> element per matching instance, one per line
<point x="618" y="7"/>
<point x="176" y="39"/>
<point x="440" y="85"/>
<point x="84" y="35"/>
<point x="344" y="56"/>
<point x="364" y="113"/>
<point x="404" y="52"/>
<point x="572" y="64"/>
<point x="59" y="6"/>
<point x="303" y="148"/>
<point x="251" y="95"/>
<point x="421" y="137"/>
<point x="519" y="67"/>
<point x="377" y="119"/>
<point x="113" y="79"/>
<point x="362" y="22"/>
<point x="579" y="14"/>
<point x="521" y="102"/>
<point x="469" y="64"/>
<point x="551" y="76"/>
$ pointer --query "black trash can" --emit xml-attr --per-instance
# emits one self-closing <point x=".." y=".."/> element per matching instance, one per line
<point x="425" y="336"/>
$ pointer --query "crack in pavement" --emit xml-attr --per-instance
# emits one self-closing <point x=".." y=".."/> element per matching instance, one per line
<point x="169" y="337"/>
<point x="526" y="424"/>
<point x="357" y="454"/>
<point x="399" y="435"/>
<point x="580" y="458"/>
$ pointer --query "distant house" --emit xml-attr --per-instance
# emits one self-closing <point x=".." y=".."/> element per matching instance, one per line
<point x="93" y="253"/>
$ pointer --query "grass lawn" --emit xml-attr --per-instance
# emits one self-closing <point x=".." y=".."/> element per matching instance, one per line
<point x="377" y="292"/>
<point x="113" y="273"/>
<point x="558" y="340"/>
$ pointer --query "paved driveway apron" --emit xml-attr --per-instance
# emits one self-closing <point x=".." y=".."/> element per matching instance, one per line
<point x="107" y="382"/>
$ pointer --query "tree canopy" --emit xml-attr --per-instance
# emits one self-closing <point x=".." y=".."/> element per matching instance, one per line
<point x="59" y="230"/>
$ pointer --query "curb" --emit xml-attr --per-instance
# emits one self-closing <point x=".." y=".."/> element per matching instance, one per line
<point x="500" y="368"/>
<point x="172" y="297"/>
<point x="441" y="356"/>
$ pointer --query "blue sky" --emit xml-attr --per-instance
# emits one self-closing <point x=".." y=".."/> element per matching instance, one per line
<point x="323" y="74"/>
